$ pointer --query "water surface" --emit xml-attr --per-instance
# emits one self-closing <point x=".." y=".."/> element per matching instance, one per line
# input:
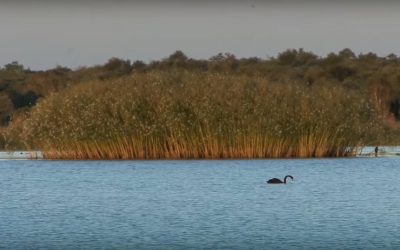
<point x="332" y="204"/>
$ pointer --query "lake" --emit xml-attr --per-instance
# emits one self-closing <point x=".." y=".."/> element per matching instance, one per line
<point x="223" y="204"/>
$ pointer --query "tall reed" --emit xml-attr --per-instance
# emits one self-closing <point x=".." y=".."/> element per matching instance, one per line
<point x="180" y="115"/>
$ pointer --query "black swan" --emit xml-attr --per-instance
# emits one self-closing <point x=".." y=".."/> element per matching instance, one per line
<point x="277" y="181"/>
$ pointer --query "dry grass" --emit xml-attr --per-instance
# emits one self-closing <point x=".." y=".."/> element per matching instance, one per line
<point x="185" y="115"/>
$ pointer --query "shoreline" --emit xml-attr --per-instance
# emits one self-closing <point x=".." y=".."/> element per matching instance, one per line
<point x="363" y="152"/>
<point x="21" y="155"/>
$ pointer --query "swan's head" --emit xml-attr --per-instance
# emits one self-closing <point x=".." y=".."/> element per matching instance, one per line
<point x="289" y="176"/>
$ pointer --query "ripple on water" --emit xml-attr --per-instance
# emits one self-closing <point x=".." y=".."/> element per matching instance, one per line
<point x="332" y="203"/>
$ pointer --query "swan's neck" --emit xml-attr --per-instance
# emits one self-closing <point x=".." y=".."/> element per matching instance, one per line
<point x="284" y="180"/>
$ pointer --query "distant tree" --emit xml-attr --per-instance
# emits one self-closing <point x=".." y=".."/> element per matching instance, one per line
<point x="115" y="67"/>
<point x="60" y="70"/>
<point x="177" y="57"/>
<point x="14" y="67"/>
<point x="369" y="57"/>
<point x="288" y="57"/>
<point x="116" y="64"/>
<point x="138" y="65"/>
<point x="347" y="54"/>
<point x="294" y="57"/>
<point x="306" y="58"/>
<point x="392" y="57"/>
<point x="331" y="59"/>
<point x="217" y="58"/>
<point x="226" y="61"/>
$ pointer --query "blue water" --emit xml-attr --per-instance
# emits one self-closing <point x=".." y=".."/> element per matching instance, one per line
<point x="331" y="204"/>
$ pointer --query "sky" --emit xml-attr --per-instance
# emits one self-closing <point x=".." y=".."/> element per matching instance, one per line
<point x="42" y="34"/>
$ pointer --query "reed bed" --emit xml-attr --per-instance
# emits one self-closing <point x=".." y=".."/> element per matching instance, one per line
<point x="186" y="115"/>
<point x="125" y="149"/>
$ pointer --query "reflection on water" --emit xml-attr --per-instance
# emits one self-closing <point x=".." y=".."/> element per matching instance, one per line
<point x="332" y="203"/>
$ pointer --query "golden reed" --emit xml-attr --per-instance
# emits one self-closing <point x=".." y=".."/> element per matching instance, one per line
<point x="129" y="148"/>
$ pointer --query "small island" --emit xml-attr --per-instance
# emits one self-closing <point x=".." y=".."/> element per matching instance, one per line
<point x="296" y="104"/>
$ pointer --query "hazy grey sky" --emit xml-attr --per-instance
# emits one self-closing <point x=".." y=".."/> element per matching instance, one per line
<point x="43" y="34"/>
